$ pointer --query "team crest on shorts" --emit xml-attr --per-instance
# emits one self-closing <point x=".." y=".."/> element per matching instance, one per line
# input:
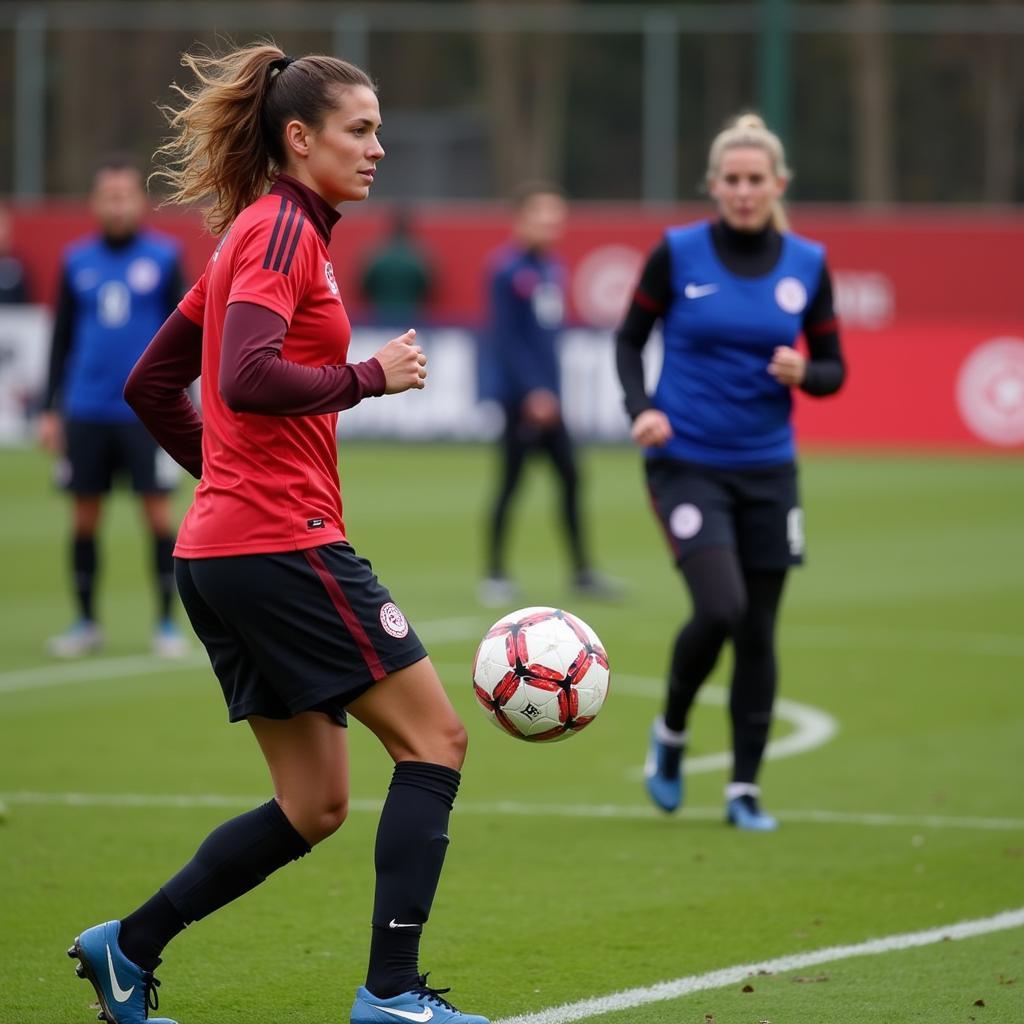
<point x="394" y="622"/>
<point x="332" y="281"/>
<point x="791" y="295"/>
<point x="685" y="521"/>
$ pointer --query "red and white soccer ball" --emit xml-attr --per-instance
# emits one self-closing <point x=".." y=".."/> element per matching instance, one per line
<point x="541" y="674"/>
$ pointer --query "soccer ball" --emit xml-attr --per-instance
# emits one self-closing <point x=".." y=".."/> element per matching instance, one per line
<point x="541" y="674"/>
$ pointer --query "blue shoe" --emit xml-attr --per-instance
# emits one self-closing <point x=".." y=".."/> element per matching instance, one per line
<point x="419" y="1005"/>
<point x="663" y="774"/>
<point x="126" y="992"/>
<point x="745" y="812"/>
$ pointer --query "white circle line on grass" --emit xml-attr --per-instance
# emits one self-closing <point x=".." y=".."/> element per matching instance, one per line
<point x="515" y="808"/>
<point x="630" y="999"/>
<point x="812" y="727"/>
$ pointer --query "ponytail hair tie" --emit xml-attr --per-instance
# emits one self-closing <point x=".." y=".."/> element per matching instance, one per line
<point x="277" y="66"/>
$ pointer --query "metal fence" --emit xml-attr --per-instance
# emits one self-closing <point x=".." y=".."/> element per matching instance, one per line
<point x="877" y="102"/>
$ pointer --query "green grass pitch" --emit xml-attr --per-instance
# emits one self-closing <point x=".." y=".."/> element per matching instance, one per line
<point x="906" y="628"/>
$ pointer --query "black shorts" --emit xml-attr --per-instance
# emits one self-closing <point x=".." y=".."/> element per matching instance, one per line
<point x="756" y="512"/>
<point x="296" y="630"/>
<point x="99" y="452"/>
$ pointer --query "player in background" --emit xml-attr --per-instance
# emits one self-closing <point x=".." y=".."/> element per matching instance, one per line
<point x="298" y="628"/>
<point x="398" y="277"/>
<point x="526" y="299"/>
<point x="116" y="289"/>
<point x="733" y="295"/>
<point x="13" y="280"/>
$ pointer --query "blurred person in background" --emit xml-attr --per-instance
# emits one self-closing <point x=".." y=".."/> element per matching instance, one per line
<point x="732" y="294"/>
<point x="299" y="630"/>
<point x="398" y="277"/>
<point x="116" y="288"/>
<point x="526" y="313"/>
<point x="13" y="281"/>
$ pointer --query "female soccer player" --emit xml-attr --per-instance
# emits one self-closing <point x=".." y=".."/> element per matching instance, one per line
<point x="733" y="294"/>
<point x="297" y="627"/>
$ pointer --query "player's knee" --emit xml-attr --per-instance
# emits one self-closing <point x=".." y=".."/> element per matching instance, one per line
<point x="725" y="616"/>
<point x="445" y="743"/>
<point x="331" y="816"/>
<point x="317" y="821"/>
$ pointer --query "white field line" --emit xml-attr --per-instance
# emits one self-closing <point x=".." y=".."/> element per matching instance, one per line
<point x="1010" y="645"/>
<point x="91" y="669"/>
<point x="515" y="808"/>
<point x="630" y="999"/>
<point x="444" y="630"/>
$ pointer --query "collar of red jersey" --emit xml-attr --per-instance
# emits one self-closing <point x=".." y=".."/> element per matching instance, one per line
<point x="320" y="212"/>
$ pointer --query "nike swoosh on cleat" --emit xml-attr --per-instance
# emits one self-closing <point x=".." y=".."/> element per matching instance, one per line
<point x="119" y="993"/>
<point x="419" y="1018"/>
<point x="394" y="924"/>
<point x="698" y="291"/>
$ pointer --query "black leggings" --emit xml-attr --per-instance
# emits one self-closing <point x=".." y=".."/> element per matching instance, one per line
<point x="742" y="604"/>
<point x="518" y="440"/>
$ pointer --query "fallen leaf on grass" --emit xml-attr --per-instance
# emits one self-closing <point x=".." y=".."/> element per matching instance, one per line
<point x="747" y="988"/>
<point x="709" y="1018"/>
<point x="979" y="1002"/>
<point x="1007" y="981"/>
<point x="803" y="980"/>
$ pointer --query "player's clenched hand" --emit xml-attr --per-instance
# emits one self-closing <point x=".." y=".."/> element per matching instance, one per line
<point x="404" y="364"/>
<point x="50" y="431"/>
<point x="788" y="366"/>
<point x="651" y="429"/>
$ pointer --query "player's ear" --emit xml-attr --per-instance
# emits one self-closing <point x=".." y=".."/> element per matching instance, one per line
<point x="296" y="138"/>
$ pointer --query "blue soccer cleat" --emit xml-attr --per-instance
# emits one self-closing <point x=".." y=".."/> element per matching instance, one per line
<point x="745" y="812"/>
<point x="663" y="773"/>
<point x="419" y="1005"/>
<point x="126" y="992"/>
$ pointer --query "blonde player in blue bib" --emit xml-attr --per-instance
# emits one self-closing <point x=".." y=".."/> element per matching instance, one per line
<point x="733" y="295"/>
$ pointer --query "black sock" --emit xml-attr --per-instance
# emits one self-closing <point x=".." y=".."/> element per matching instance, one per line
<point x="234" y="858"/>
<point x="412" y="839"/>
<point x="163" y="564"/>
<point x="146" y="931"/>
<point x="84" y="562"/>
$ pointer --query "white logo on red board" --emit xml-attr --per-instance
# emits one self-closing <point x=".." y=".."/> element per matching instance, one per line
<point x="791" y="295"/>
<point x="332" y="281"/>
<point x="990" y="391"/>
<point x="394" y="622"/>
<point x="685" y="521"/>
<point x="603" y="284"/>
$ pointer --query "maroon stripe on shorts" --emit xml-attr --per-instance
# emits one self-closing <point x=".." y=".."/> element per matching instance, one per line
<point x="672" y="542"/>
<point x="348" y="616"/>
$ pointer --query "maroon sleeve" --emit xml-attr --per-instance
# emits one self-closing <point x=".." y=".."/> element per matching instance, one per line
<point x="157" y="389"/>
<point x="254" y="377"/>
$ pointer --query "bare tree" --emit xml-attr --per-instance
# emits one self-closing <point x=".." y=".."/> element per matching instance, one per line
<point x="872" y="89"/>
<point x="1001" y="75"/>
<point x="526" y="90"/>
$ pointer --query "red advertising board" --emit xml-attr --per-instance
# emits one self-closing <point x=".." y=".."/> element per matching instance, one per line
<point x="923" y="297"/>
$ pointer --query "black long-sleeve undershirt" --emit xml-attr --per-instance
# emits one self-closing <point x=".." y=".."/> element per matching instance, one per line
<point x="746" y="255"/>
